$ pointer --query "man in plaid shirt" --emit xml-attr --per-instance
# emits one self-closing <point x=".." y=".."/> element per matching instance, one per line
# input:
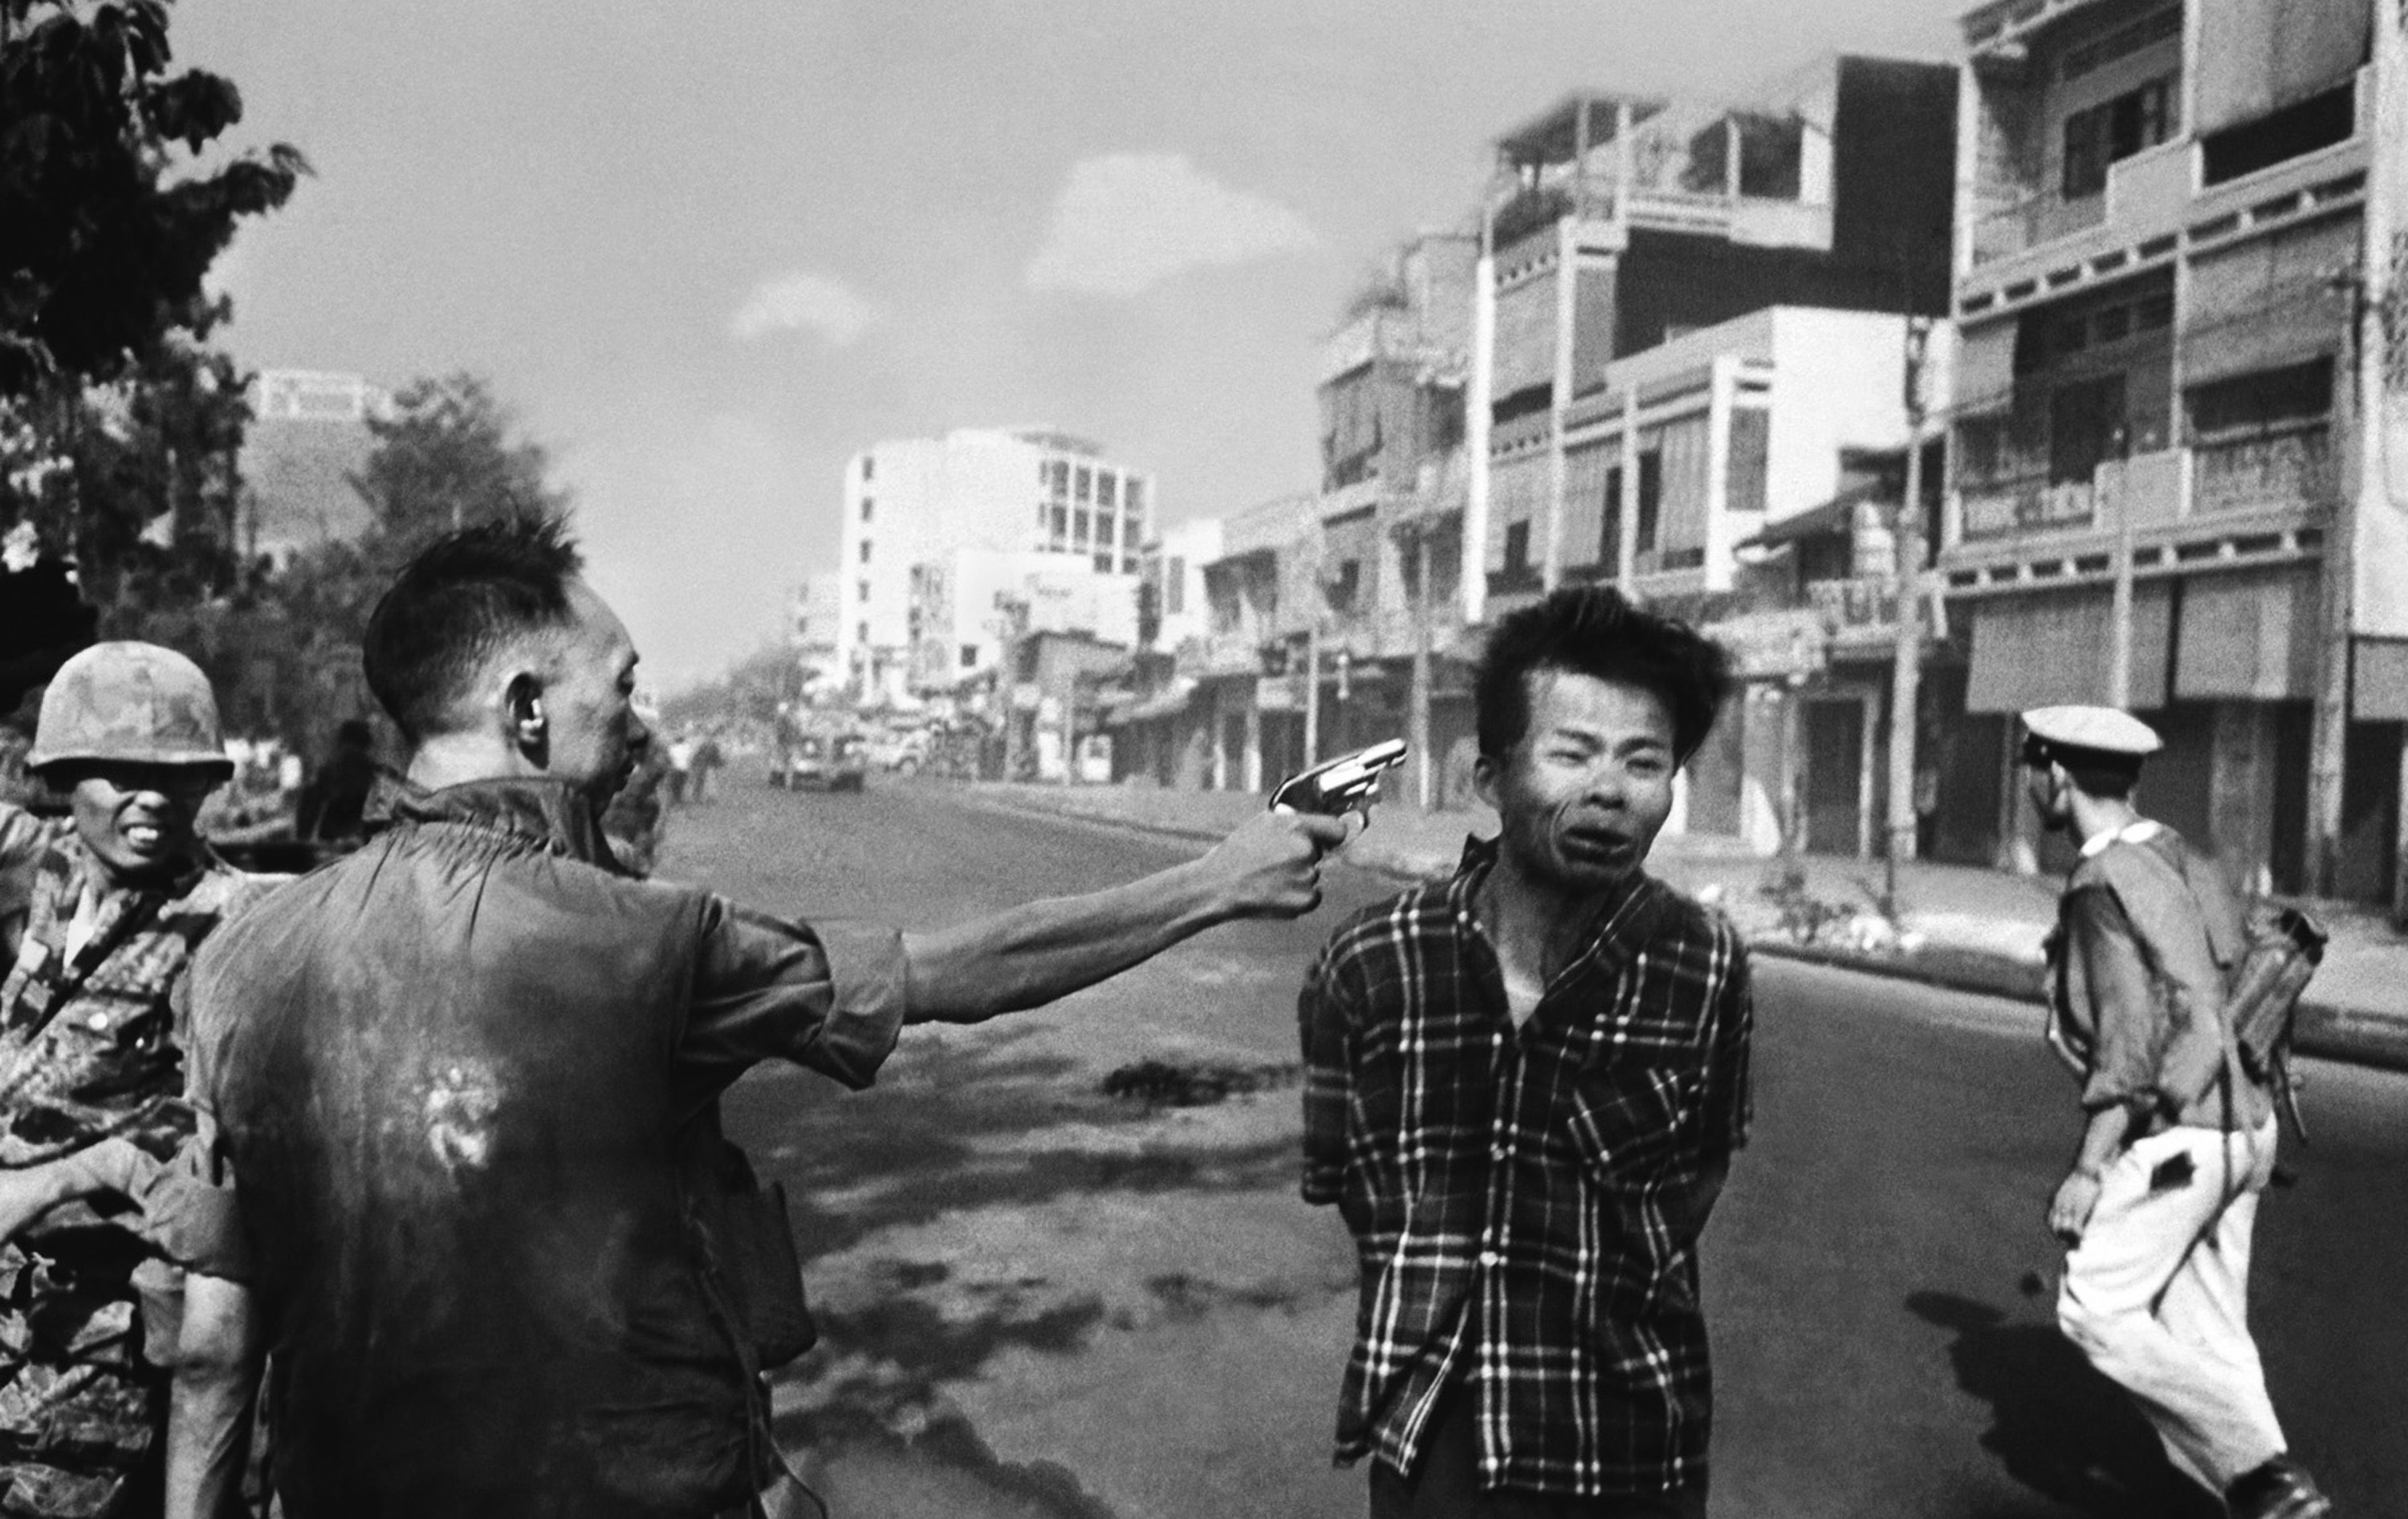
<point x="1523" y="1088"/>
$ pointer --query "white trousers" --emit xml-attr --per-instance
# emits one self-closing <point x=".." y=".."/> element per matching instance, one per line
<point x="2158" y="1296"/>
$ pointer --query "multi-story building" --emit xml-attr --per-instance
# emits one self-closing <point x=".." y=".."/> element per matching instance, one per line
<point x="1379" y="629"/>
<point x="1616" y="224"/>
<point x="308" y="435"/>
<point x="1172" y="566"/>
<point x="968" y="605"/>
<point x="2161" y="233"/>
<point x="1160" y="734"/>
<point x="912" y="501"/>
<point x="1249" y="700"/>
<point x="816" y="615"/>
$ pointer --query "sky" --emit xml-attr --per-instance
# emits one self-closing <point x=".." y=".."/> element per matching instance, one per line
<point x="709" y="253"/>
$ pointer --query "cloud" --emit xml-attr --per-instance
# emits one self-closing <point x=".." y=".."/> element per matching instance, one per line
<point x="804" y="302"/>
<point x="1124" y="223"/>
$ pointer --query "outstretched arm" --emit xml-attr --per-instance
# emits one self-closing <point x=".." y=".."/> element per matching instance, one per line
<point x="209" y="1409"/>
<point x="1026" y="956"/>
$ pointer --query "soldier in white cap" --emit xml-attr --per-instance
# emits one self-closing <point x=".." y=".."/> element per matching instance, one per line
<point x="2157" y="1210"/>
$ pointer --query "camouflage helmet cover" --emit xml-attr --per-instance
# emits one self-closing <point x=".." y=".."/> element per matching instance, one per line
<point x="131" y="703"/>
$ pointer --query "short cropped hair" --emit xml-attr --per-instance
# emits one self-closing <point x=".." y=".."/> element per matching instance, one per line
<point x="464" y="599"/>
<point x="2094" y="772"/>
<point x="1591" y="630"/>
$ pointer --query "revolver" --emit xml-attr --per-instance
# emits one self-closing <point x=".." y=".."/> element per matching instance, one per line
<point x="1342" y="785"/>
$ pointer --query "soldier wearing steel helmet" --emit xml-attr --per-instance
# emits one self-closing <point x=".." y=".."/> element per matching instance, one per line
<point x="97" y="1219"/>
<point x="2178" y="1144"/>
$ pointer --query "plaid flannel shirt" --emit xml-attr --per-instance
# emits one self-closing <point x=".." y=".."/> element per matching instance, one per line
<point x="1526" y="1203"/>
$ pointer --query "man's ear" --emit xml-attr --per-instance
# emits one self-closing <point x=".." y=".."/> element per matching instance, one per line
<point x="1486" y="773"/>
<point x="530" y="730"/>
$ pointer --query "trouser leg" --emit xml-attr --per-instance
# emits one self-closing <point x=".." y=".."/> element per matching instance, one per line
<point x="2156" y="1295"/>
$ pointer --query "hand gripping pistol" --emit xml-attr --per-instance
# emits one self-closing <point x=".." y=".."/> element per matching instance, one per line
<point x="1342" y="785"/>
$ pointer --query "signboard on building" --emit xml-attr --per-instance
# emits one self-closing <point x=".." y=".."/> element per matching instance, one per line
<point x="1279" y="694"/>
<point x="1775" y="645"/>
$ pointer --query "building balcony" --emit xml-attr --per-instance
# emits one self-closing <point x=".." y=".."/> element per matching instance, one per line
<point x="2262" y="472"/>
<point x="2030" y="504"/>
<point x="1383" y="331"/>
<point x="2287" y="471"/>
<point x="1394" y="632"/>
<point x="2268" y="494"/>
<point x="1607" y="211"/>
<point x="1238" y="652"/>
<point x="1861" y="608"/>
<point x="2146" y="196"/>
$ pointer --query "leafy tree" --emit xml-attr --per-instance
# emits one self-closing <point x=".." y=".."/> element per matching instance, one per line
<point x="119" y="427"/>
<point x="748" y="691"/>
<point x="105" y="231"/>
<point x="449" y="456"/>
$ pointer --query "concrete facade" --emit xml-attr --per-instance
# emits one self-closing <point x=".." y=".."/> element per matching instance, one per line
<point x="913" y="502"/>
<point x="2157" y="233"/>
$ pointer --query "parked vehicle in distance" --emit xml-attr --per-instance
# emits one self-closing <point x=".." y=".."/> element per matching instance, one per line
<point x="822" y="758"/>
<point x="904" y="751"/>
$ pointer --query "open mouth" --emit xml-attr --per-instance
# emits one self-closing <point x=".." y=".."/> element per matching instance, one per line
<point x="1597" y="843"/>
<point x="145" y="838"/>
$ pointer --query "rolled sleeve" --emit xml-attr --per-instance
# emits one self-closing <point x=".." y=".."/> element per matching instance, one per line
<point x="830" y="996"/>
<point x="2130" y="1046"/>
<point x="1323" y="1024"/>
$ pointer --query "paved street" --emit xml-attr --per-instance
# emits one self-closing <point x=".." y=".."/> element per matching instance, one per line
<point x="1040" y="1300"/>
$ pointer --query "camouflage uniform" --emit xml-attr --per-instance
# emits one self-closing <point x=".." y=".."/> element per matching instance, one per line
<point x="92" y="1051"/>
<point x="92" y="1072"/>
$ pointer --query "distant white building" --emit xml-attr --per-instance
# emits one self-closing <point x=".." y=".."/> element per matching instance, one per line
<point x="969" y="604"/>
<point x="308" y="435"/>
<point x="915" y="504"/>
<point x="1173" y="565"/>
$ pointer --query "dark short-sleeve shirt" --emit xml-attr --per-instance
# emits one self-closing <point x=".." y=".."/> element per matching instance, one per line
<point x="1526" y="1201"/>
<point x="465" y="1081"/>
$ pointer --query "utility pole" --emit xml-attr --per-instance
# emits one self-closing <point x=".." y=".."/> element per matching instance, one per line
<point x="1417" y="713"/>
<point x="1312" y="684"/>
<point x="1906" y="669"/>
<point x="2383" y="359"/>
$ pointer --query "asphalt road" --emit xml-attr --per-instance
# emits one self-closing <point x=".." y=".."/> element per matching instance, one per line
<point x="1041" y="1300"/>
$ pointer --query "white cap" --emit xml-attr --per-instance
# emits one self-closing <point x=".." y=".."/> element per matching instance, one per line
<point x="2106" y="730"/>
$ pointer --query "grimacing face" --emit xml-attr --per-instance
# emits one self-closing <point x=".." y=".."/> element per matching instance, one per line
<point x="595" y="737"/>
<point x="138" y="819"/>
<point x="1584" y="794"/>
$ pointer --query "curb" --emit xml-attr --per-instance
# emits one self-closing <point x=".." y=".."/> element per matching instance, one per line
<point x="2323" y="1030"/>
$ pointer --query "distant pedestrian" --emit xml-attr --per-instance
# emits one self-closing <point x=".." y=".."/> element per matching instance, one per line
<point x="1523" y="1089"/>
<point x="680" y="767"/>
<point x="708" y="759"/>
<point x="2179" y="1138"/>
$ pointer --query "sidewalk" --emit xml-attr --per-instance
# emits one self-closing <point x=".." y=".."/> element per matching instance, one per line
<point x="1957" y="926"/>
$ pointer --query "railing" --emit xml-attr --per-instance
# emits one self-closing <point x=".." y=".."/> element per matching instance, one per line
<point x="2266" y="470"/>
<point x="1999" y="507"/>
<point x="2033" y="220"/>
<point x="2146" y="191"/>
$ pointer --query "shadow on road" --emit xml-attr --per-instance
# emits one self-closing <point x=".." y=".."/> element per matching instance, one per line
<point x="948" y="1128"/>
<point x="2057" y="1426"/>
